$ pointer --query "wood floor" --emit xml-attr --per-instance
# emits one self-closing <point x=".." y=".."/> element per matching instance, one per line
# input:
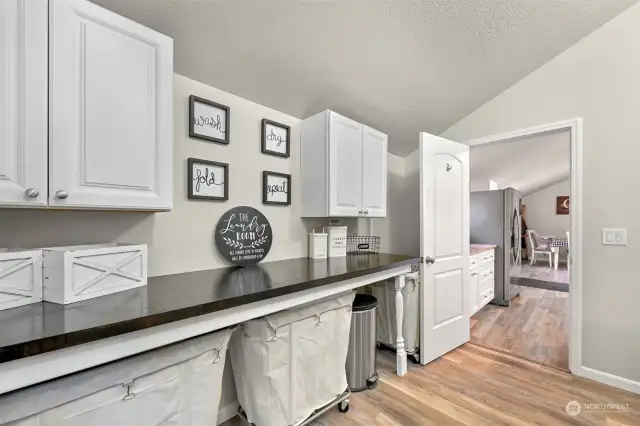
<point x="535" y="326"/>
<point x="475" y="386"/>
<point x="542" y="276"/>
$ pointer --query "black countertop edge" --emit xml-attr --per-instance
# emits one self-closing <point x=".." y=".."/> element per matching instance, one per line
<point x="46" y="327"/>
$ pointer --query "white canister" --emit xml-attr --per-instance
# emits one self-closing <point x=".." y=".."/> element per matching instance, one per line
<point x="317" y="245"/>
<point x="337" y="240"/>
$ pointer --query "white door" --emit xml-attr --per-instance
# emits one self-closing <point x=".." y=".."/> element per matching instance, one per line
<point x="345" y="162"/>
<point x="444" y="245"/>
<point x="111" y="102"/>
<point x="23" y="102"/>
<point x="374" y="172"/>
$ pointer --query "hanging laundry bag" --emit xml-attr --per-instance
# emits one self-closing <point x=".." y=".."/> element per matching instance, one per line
<point x="291" y="363"/>
<point x="176" y="385"/>
<point x="385" y="292"/>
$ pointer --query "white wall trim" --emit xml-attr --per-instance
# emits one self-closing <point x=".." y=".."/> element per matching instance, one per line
<point x="227" y="412"/>
<point x="608" y="379"/>
<point x="574" y="125"/>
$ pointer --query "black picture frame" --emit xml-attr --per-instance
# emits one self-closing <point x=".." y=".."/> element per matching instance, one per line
<point x="264" y="149"/>
<point x="190" y="195"/>
<point x="227" y="120"/>
<point x="265" y="177"/>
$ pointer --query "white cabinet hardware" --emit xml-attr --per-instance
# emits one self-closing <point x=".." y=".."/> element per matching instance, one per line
<point x="32" y="193"/>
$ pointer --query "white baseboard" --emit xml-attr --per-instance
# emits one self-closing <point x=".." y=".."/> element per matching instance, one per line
<point x="608" y="379"/>
<point x="226" y="412"/>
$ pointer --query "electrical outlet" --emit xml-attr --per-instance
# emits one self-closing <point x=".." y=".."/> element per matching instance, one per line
<point x="614" y="237"/>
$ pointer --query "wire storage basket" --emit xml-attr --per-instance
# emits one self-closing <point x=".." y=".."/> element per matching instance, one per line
<point x="357" y="244"/>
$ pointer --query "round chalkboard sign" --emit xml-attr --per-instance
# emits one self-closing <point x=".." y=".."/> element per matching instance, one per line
<point x="243" y="236"/>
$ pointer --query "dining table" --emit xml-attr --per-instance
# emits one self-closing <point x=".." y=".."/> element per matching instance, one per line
<point x="555" y="244"/>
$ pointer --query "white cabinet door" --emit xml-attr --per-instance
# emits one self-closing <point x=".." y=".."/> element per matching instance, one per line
<point x="444" y="245"/>
<point x="111" y="101"/>
<point x="345" y="166"/>
<point x="474" y="294"/>
<point x="374" y="172"/>
<point x="23" y="102"/>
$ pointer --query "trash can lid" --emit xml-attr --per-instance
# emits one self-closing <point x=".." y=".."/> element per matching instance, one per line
<point x="364" y="302"/>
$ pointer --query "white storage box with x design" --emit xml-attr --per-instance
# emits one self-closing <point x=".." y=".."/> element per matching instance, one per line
<point x="76" y="273"/>
<point x="20" y="277"/>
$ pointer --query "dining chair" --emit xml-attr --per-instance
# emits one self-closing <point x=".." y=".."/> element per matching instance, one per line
<point x="537" y="247"/>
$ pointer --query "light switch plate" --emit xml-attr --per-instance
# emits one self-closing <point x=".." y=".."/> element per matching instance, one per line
<point x="614" y="237"/>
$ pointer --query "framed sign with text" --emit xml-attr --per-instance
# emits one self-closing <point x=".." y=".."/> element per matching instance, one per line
<point x="276" y="188"/>
<point x="275" y="138"/>
<point x="207" y="180"/>
<point x="208" y="120"/>
<point x="243" y="236"/>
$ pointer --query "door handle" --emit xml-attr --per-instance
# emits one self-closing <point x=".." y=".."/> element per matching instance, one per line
<point x="429" y="260"/>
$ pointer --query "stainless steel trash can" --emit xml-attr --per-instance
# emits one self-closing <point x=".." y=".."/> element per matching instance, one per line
<point x="361" y="357"/>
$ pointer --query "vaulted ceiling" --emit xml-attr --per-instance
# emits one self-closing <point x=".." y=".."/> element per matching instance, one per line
<point x="401" y="66"/>
<point x="527" y="164"/>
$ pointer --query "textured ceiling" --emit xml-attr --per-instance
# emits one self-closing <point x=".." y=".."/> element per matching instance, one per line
<point x="527" y="164"/>
<point x="400" y="66"/>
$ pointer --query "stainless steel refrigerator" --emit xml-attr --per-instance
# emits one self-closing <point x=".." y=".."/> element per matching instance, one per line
<point x="495" y="219"/>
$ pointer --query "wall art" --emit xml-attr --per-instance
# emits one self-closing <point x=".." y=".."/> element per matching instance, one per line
<point x="275" y="138"/>
<point x="276" y="188"/>
<point x="209" y="120"/>
<point x="243" y="236"/>
<point x="207" y="180"/>
<point x="562" y="204"/>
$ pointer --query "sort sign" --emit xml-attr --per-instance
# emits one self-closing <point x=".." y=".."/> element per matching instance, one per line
<point x="243" y="236"/>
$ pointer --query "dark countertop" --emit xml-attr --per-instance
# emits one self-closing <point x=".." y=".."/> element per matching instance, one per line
<point x="44" y="327"/>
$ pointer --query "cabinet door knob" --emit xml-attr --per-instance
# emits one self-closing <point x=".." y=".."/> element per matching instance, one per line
<point x="61" y="195"/>
<point x="32" y="193"/>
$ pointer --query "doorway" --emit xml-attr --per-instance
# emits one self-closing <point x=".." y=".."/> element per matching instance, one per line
<point x="542" y="322"/>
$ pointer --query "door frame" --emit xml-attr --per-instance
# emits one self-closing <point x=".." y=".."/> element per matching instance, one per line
<point x="574" y="126"/>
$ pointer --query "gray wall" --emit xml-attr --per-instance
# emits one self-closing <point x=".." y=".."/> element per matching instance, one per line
<point x="181" y="240"/>
<point x="541" y="210"/>
<point x="599" y="80"/>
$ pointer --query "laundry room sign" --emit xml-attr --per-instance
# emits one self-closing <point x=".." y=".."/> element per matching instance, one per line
<point x="243" y="236"/>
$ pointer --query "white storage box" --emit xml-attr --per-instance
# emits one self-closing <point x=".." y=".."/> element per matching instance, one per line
<point x="20" y="278"/>
<point x="77" y="273"/>
<point x="337" y="240"/>
<point x="176" y="385"/>
<point x="291" y="363"/>
<point x="385" y="292"/>
<point x="317" y="245"/>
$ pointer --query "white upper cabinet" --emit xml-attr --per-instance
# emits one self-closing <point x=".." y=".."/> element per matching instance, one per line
<point x="86" y="108"/>
<point x="111" y="101"/>
<point x="374" y="172"/>
<point x="343" y="168"/>
<point x="23" y="103"/>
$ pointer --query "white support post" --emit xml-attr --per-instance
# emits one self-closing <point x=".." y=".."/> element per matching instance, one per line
<point x="401" y="354"/>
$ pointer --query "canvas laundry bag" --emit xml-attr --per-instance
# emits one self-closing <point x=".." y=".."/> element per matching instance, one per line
<point x="385" y="292"/>
<point x="176" y="385"/>
<point x="289" y="364"/>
